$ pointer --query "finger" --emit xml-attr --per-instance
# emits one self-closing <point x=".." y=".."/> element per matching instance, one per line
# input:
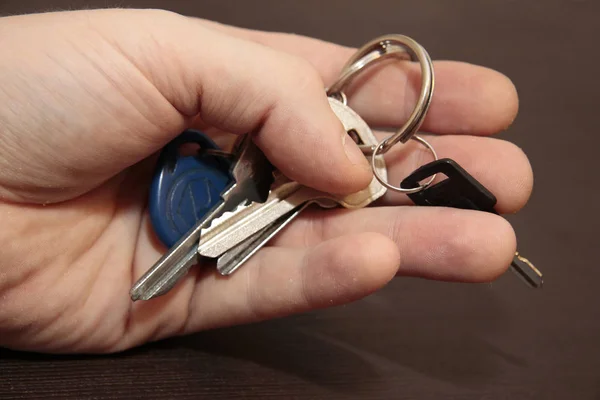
<point x="500" y="166"/>
<point x="435" y="243"/>
<point x="468" y="99"/>
<point x="279" y="282"/>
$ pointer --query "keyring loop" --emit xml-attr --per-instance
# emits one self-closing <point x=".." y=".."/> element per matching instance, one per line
<point x="378" y="49"/>
<point x="397" y="188"/>
<point x="383" y="47"/>
<point x="351" y="70"/>
<point x="367" y="56"/>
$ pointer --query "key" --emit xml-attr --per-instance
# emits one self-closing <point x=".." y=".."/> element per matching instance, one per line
<point x="243" y="227"/>
<point x="253" y="176"/>
<point x="231" y="260"/>
<point x="463" y="191"/>
<point x="360" y="132"/>
<point x="186" y="187"/>
<point x="233" y="228"/>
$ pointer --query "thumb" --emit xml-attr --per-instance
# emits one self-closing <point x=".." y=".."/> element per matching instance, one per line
<point x="177" y="71"/>
<point x="240" y="86"/>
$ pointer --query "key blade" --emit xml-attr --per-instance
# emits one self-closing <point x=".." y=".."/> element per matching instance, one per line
<point x="159" y="284"/>
<point x="527" y="271"/>
<point x="178" y="260"/>
<point x="234" y="258"/>
<point x="234" y="228"/>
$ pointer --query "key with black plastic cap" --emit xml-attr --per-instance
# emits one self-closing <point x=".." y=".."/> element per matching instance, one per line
<point x="461" y="190"/>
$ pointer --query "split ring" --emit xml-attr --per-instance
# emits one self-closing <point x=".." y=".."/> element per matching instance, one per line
<point x="376" y="50"/>
<point x="397" y="188"/>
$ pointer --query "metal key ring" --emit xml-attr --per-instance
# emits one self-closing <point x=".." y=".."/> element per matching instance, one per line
<point x="364" y="58"/>
<point x="375" y="149"/>
<point x="381" y="48"/>
<point x="377" y="50"/>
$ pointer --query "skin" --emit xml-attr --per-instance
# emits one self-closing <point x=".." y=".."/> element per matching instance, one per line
<point x="89" y="97"/>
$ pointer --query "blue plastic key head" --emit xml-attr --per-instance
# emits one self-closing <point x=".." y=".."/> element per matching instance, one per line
<point x="185" y="187"/>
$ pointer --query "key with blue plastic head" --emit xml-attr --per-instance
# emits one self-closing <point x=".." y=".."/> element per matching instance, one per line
<point x="252" y="178"/>
<point x="186" y="187"/>
<point x="461" y="190"/>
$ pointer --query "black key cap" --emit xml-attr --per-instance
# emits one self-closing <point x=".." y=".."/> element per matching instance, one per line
<point x="461" y="190"/>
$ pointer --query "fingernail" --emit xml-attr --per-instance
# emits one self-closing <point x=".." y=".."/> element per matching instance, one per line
<point x="354" y="154"/>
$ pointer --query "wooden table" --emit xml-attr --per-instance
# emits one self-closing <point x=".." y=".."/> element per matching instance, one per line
<point x="415" y="339"/>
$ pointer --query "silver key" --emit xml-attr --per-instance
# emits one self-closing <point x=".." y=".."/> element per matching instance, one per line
<point x="252" y="225"/>
<point x="231" y="260"/>
<point x="234" y="258"/>
<point x="253" y="175"/>
<point x="234" y="227"/>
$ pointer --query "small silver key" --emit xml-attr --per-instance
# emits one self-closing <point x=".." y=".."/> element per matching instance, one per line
<point x="234" y="227"/>
<point x="253" y="175"/>
<point x="358" y="129"/>
<point x="247" y="229"/>
<point x="231" y="260"/>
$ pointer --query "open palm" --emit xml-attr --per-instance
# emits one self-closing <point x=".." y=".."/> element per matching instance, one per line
<point x="90" y="97"/>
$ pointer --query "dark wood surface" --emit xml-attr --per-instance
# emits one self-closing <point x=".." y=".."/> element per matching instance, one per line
<point x="414" y="339"/>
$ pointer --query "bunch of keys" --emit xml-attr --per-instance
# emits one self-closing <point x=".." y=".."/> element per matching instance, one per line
<point x="258" y="202"/>
<point x="227" y="207"/>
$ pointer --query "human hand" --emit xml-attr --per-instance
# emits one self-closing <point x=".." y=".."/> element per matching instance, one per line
<point x="90" y="96"/>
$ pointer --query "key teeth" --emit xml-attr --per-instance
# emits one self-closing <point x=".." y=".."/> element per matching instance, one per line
<point x="226" y="215"/>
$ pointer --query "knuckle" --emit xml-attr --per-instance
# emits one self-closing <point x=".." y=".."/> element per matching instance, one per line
<point x="304" y="74"/>
<point x="520" y="183"/>
<point x="153" y="13"/>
